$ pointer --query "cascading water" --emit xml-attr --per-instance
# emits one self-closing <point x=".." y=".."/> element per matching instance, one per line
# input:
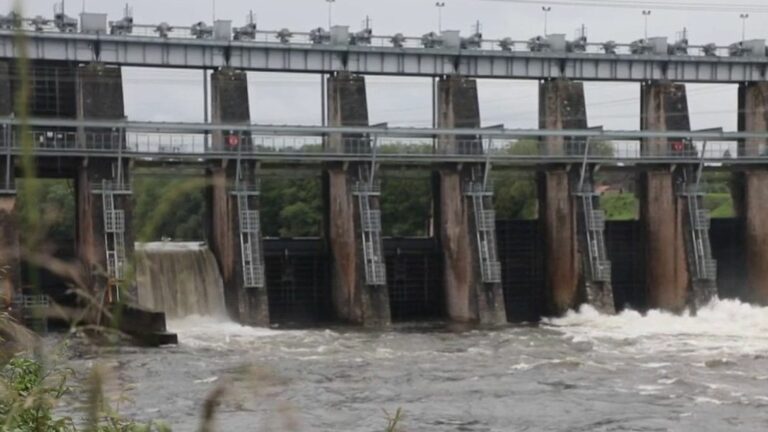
<point x="180" y="279"/>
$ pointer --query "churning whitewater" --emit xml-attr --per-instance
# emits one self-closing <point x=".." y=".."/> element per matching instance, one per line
<point x="583" y="372"/>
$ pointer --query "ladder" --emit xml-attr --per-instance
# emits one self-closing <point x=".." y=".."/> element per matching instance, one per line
<point x="250" y="233"/>
<point x="480" y="193"/>
<point x="703" y="265"/>
<point x="114" y="235"/>
<point x="365" y="190"/>
<point x="599" y="268"/>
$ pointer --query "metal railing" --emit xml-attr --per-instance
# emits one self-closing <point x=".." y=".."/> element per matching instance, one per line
<point x="365" y="38"/>
<point x="167" y="140"/>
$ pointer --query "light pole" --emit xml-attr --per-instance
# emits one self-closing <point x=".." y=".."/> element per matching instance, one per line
<point x="330" y="13"/>
<point x="547" y="10"/>
<point x="646" y="14"/>
<point x="440" y="6"/>
<point x="744" y="18"/>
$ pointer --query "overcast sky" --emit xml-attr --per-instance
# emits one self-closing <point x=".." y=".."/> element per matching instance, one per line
<point x="154" y="94"/>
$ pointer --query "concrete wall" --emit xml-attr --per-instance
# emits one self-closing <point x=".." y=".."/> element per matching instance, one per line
<point x="230" y="104"/>
<point x="664" y="107"/>
<point x="751" y="189"/>
<point x="467" y="298"/>
<point x="354" y="301"/>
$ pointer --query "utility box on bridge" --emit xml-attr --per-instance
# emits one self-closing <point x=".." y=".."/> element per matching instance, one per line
<point x="222" y="30"/>
<point x="451" y="39"/>
<point x="93" y="22"/>
<point x="340" y="35"/>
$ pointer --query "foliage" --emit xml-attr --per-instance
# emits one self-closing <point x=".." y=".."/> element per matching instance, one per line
<point x="291" y="207"/>
<point x="720" y="205"/>
<point x="185" y="220"/>
<point x="406" y="204"/>
<point x="54" y="211"/>
<point x="620" y="206"/>
<point x="29" y="396"/>
<point x="393" y="421"/>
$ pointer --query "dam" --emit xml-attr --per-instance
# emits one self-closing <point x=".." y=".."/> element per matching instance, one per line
<point x="470" y="267"/>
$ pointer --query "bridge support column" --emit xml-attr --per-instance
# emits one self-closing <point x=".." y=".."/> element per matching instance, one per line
<point x="103" y="195"/>
<point x="353" y="219"/>
<point x="578" y="268"/>
<point x="472" y="293"/>
<point x="105" y="225"/>
<point x="10" y="260"/>
<point x="680" y="270"/>
<point x="235" y="232"/>
<point x="10" y="284"/>
<point x="752" y="197"/>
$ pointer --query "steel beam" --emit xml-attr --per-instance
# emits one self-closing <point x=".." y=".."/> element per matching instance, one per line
<point x="323" y="58"/>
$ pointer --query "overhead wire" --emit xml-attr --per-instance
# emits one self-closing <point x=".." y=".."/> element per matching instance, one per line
<point x="649" y="4"/>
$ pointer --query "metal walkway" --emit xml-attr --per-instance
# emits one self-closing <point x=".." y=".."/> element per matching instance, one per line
<point x="303" y="144"/>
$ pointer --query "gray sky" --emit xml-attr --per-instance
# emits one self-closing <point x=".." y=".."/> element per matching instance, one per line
<point x="155" y="94"/>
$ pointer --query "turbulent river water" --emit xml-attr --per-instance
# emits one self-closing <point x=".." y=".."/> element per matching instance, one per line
<point x="583" y="372"/>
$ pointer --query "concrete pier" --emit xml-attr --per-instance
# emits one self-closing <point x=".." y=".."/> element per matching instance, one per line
<point x="229" y="101"/>
<point x="229" y="104"/>
<point x="561" y="106"/>
<point x="751" y="194"/>
<point x="9" y="229"/>
<point x="99" y="96"/>
<point x="9" y="249"/>
<point x="468" y="298"/>
<point x="355" y="300"/>
<point x="664" y="107"/>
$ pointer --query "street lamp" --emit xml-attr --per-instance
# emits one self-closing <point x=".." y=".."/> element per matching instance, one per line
<point x="646" y="14"/>
<point x="440" y="6"/>
<point x="330" y="13"/>
<point x="744" y="26"/>
<point x="547" y="10"/>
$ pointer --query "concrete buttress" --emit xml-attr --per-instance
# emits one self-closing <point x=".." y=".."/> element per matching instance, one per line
<point x="468" y="297"/>
<point x="233" y="192"/>
<point x="358" y="282"/>
<point x="663" y="211"/>
<point x="9" y="229"/>
<point x="99" y="96"/>
<point x="752" y="197"/>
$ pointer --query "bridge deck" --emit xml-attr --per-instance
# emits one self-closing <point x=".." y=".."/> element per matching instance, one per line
<point x="271" y="55"/>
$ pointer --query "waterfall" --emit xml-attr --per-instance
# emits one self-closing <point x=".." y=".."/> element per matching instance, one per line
<point x="180" y="279"/>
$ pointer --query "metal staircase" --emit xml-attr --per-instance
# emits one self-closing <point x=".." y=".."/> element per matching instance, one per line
<point x="114" y="234"/>
<point x="250" y="232"/>
<point x="701" y="263"/>
<point x="599" y="268"/>
<point x="365" y="189"/>
<point x="480" y="192"/>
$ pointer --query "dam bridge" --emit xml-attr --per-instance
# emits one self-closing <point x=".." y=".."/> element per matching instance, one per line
<point x="473" y="268"/>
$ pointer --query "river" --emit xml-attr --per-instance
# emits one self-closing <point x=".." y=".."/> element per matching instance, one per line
<point x="583" y="372"/>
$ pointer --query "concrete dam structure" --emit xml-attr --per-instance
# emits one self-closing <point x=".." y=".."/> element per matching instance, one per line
<point x="472" y="268"/>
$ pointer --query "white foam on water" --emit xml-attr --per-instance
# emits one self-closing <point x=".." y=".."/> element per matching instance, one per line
<point x="724" y="326"/>
<point x="212" y="332"/>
